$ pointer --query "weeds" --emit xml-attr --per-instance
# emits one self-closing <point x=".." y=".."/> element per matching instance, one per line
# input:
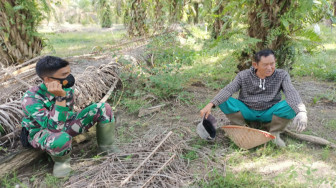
<point x="11" y="180"/>
<point x="326" y="153"/>
<point x="54" y="182"/>
<point x="331" y="124"/>
<point x="190" y="155"/>
<point x="77" y="43"/>
<point x="212" y="63"/>
<point x="319" y="64"/>
<point x="234" y="179"/>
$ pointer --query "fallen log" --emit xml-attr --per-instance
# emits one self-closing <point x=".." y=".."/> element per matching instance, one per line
<point x="310" y="138"/>
<point x="18" y="159"/>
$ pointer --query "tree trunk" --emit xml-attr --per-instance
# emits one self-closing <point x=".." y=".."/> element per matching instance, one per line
<point x="221" y="22"/>
<point x="335" y="8"/>
<point x="158" y="22"/>
<point x="106" y="15"/>
<point x="263" y="18"/>
<point x="218" y="24"/>
<point x="175" y="10"/>
<point x="137" y="16"/>
<point x="196" y="13"/>
<point x="18" y="39"/>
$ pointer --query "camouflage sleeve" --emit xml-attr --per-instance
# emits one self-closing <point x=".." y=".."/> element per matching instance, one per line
<point x="71" y="99"/>
<point x="53" y="118"/>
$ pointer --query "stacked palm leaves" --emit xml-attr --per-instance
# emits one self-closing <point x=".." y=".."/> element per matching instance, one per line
<point x="152" y="161"/>
<point x="90" y="86"/>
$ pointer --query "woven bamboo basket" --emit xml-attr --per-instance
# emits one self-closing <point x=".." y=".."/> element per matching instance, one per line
<point x="246" y="137"/>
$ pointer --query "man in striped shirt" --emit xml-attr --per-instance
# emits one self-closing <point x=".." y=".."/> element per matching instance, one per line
<point x="259" y="98"/>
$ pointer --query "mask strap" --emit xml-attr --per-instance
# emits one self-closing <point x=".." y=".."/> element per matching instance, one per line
<point x="59" y="79"/>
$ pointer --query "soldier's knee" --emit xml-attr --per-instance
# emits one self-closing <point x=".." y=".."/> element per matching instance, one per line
<point x="104" y="105"/>
<point x="60" y="143"/>
<point x="107" y="110"/>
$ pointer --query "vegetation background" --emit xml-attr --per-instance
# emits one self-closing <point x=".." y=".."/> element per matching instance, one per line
<point x="208" y="42"/>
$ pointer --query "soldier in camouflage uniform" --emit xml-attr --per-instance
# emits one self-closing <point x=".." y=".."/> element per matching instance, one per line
<point x="50" y="119"/>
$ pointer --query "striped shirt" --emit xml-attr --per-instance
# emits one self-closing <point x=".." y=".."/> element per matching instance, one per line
<point x="261" y="94"/>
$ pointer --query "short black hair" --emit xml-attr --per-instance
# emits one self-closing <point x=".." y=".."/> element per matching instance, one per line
<point x="262" y="53"/>
<point x="48" y="65"/>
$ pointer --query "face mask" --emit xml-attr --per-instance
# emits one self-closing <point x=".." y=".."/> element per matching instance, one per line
<point x="67" y="82"/>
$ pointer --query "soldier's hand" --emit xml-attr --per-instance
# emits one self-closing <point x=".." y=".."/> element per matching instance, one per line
<point x="300" y="121"/>
<point x="206" y="110"/>
<point x="56" y="88"/>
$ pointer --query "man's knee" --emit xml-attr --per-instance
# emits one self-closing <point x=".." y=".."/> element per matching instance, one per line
<point x="59" y="144"/>
<point x="236" y="118"/>
<point x="278" y="124"/>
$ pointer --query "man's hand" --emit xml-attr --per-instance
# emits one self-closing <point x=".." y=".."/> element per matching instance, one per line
<point x="56" y="88"/>
<point x="206" y="110"/>
<point x="300" y="121"/>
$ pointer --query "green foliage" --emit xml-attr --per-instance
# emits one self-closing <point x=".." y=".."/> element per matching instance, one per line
<point x="53" y="182"/>
<point x="160" y="73"/>
<point x="331" y="124"/>
<point x="77" y="43"/>
<point x="11" y="180"/>
<point x="190" y="155"/>
<point x="84" y="4"/>
<point x="165" y="85"/>
<point x="2" y="130"/>
<point x="104" y="12"/>
<point x="31" y="20"/>
<point x="287" y="33"/>
<point x="133" y="105"/>
<point x="319" y="63"/>
<point x="234" y="179"/>
<point x="19" y="39"/>
<point x="326" y="153"/>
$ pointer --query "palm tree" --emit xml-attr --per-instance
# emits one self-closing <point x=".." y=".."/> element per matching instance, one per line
<point x="19" y="40"/>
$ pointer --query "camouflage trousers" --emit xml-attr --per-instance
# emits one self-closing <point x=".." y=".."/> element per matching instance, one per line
<point x="59" y="143"/>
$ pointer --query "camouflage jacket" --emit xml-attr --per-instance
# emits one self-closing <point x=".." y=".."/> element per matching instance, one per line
<point x="40" y="111"/>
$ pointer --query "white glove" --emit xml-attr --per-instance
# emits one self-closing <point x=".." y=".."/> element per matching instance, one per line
<point x="300" y="121"/>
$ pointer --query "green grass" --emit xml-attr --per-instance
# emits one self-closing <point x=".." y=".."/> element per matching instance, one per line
<point x="331" y="124"/>
<point x="213" y="64"/>
<point x="230" y="179"/>
<point x="78" y="43"/>
<point x="320" y="64"/>
<point x="11" y="180"/>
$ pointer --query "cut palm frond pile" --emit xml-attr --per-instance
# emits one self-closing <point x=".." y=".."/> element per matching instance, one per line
<point x="94" y="83"/>
<point x="90" y="87"/>
<point x="152" y="161"/>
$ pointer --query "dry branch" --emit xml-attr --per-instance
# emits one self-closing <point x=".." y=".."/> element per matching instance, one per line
<point x="144" y="161"/>
<point x="146" y="111"/>
<point x="17" y="78"/>
<point x="310" y="138"/>
<point x="111" y="170"/>
<point x="157" y="172"/>
<point x="10" y="135"/>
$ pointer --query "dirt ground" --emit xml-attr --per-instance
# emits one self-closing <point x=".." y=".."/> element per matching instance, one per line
<point x="178" y="114"/>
